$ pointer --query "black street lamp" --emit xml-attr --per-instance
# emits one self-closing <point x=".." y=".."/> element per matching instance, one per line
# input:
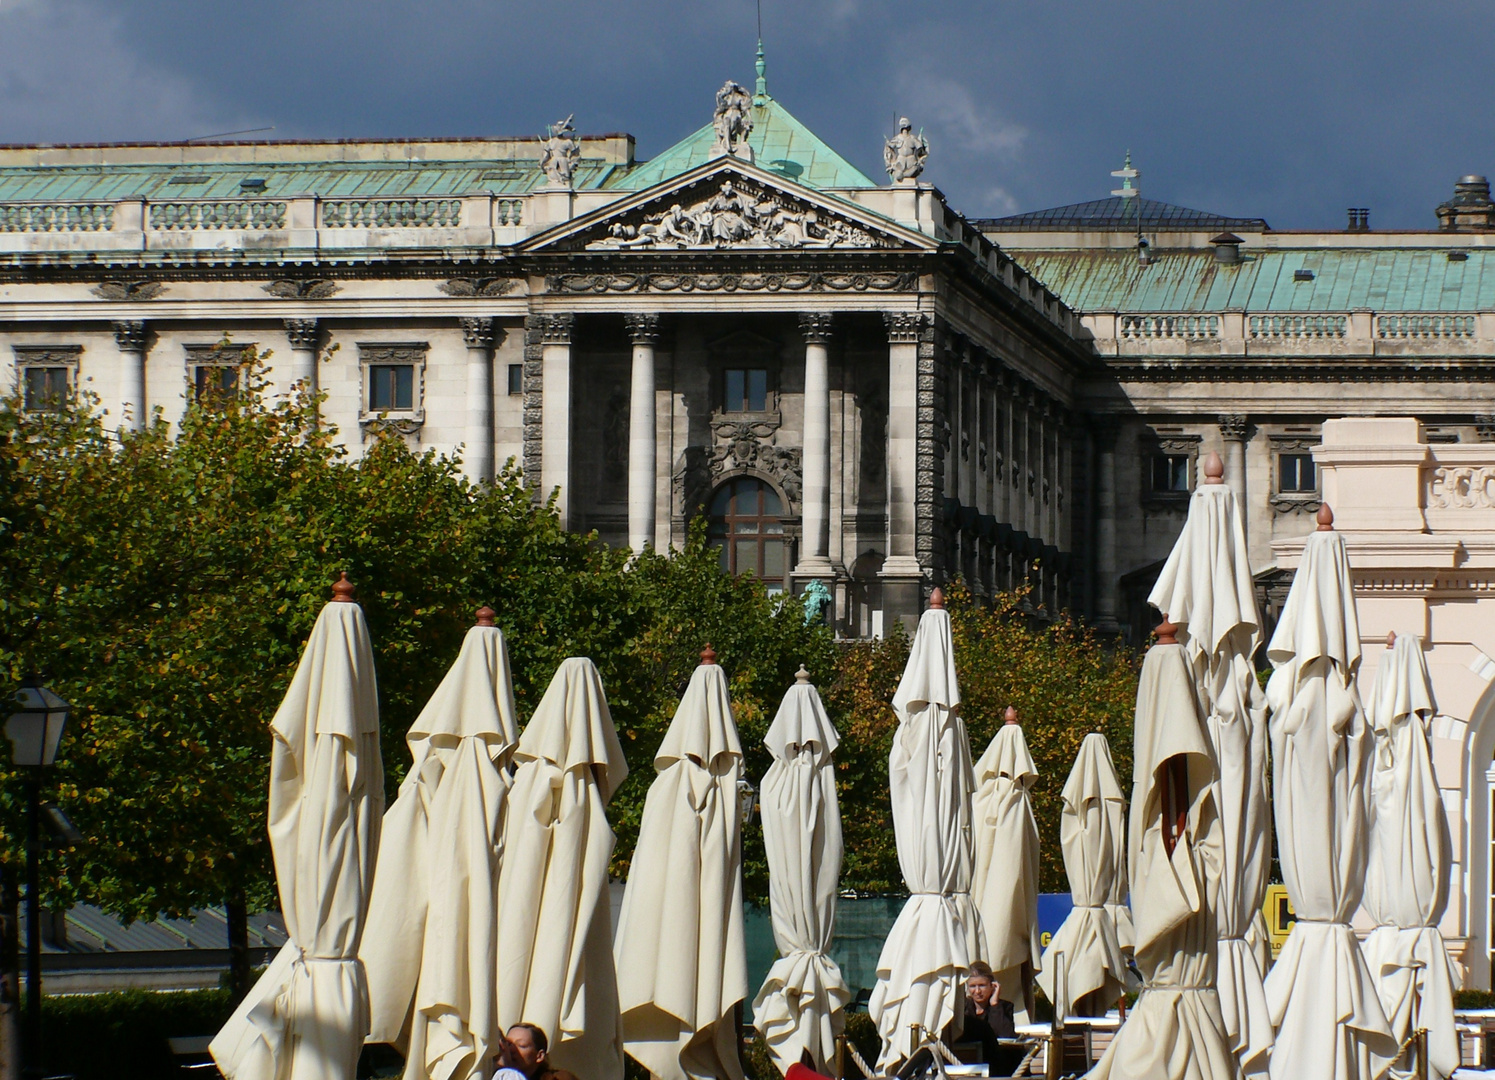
<point x="34" y="730"/>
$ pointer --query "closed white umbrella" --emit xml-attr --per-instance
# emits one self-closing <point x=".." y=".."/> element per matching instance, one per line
<point x="432" y="939"/>
<point x="1322" y="997"/>
<point x="801" y="1005"/>
<point x="1406" y="883"/>
<point x="306" y="1017"/>
<point x="1206" y="589"/>
<point x="1005" y="886"/>
<point x="1084" y="955"/>
<point x="555" y="966"/>
<point x="937" y="934"/>
<point x="679" y="950"/>
<point x="1176" y="1031"/>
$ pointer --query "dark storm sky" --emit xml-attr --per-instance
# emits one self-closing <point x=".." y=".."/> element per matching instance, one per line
<point x="1289" y="111"/>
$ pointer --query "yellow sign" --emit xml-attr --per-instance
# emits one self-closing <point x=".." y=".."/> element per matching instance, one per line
<point x="1280" y="916"/>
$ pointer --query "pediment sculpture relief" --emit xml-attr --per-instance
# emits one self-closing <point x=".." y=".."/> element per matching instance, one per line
<point x="736" y="216"/>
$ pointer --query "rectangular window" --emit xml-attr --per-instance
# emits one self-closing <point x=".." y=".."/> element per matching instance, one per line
<point x="516" y="378"/>
<point x="391" y="387"/>
<point x="747" y="390"/>
<point x="45" y="388"/>
<point x="212" y="383"/>
<point x="1296" y="474"/>
<point x="1170" y="472"/>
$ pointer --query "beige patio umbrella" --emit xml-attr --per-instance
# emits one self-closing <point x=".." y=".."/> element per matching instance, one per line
<point x="1322" y="997"/>
<point x="679" y="947"/>
<point x="937" y="934"/>
<point x="1083" y="960"/>
<point x="306" y="1017"/>
<point x="1406" y="882"/>
<point x="432" y="938"/>
<point x="801" y="1005"/>
<point x="1176" y="1030"/>
<point x="555" y="967"/>
<point x="1206" y="589"/>
<point x="1005" y="886"/>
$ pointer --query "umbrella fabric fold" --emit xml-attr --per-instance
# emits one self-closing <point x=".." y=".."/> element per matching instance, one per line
<point x="1004" y="889"/>
<point x="432" y="939"/>
<point x="1321" y="995"/>
<point x="1406" y="882"/>
<point x="555" y="969"/>
<point x="680" y="948"/>
<point x="937" y="934"/>
<point x="1206" y="589"/>
<point x="801" y="1005"/>
<point x="1176" y="1030"/>
<point x="1084" y="955"/>
<point x="306" y="1017"/>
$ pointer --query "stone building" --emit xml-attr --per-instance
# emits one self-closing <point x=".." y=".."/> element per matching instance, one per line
<point x="850" y="381"/>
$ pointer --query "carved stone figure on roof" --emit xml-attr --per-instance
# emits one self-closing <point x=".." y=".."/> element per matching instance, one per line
<point x="733" y="121"/>
<point x="560" y="152"/>
<point x="905" y="153"/>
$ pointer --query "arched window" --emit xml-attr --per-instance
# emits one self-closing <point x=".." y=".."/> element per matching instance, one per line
<point x="747" y="527"/>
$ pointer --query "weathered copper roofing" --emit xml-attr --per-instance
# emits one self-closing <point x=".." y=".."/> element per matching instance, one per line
<point x="1344" y="279"/>
<point x="1118" y="214"/>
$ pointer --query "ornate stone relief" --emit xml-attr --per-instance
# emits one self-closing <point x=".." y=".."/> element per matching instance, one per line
<point x="128" y="290"/>
<point x="685" y="283"/>
<point x="302" y="290"/>
<point x="47" y="355"/>
<point x="740" y="214"/>
<point x="1293" y="502"/>
<point x="1462" y="487"/>
<point x="478" y="286"/>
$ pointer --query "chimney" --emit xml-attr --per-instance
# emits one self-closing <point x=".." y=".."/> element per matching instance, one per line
<point x="1359" y="219"/>
<point x="1227" y="248"/>
<point x="1470" y="209"/>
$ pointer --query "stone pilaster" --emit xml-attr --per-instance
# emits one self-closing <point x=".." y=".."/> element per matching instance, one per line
<point x="301" y="335"/>
<point x="1235" y="429"/>
<point x="1107" y="601"/>
<point x="643" y="332"/>
<point x="477" y="457"/>
<point x="555" y="410"/>
<point x="129" y="336"/>
<point x="902" y="572"/>
<point x="815" y="460"/>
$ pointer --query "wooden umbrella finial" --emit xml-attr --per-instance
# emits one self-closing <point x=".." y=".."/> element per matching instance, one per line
<point x="1391" y="639"/>
<point x="1325" y="518"/>
<point x="708" y="655"/>
<point x="1166" y="632"/>
<point x="937" y="598"/>
<point x="1010" y="716"/>
<point x="486" y="616"/>
<point x="802" y="676"/>
<point x="1214" y="469"/>
<point x="342" y="590"/>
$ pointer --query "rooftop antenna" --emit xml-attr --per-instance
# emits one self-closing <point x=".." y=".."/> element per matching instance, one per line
<point x="760" y="92"/>
<point x="1130" y="200"/>
<point x="225" y="134"/>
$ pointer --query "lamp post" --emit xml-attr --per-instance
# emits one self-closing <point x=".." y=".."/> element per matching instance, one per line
<point x="34" y="730"/>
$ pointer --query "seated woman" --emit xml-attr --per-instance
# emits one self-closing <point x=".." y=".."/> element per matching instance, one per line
<point x="989" y="1020"/>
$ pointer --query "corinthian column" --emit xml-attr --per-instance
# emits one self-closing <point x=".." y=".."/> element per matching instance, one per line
<point x="1233" y="431"/>
<point x="555" y="421"/>
<point x="643" y="331"/>
<point x="130" y="337"/>
<point x="302" y="335"/>
<point x="477" y="461"/>
<point x="814" y="555"/>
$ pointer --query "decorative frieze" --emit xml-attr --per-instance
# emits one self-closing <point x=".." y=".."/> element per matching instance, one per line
<point x="1462" y="487"/>
<point x="797" y="281"/>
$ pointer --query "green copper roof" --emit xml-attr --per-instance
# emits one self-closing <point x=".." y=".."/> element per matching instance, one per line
<point x="781" y="144"/>
<point x="1344" y="279"/>
<point x="329" y="179"/>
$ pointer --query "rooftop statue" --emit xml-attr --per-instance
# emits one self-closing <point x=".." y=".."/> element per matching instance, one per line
<point x="559" y="153"/>
<point x="733" y="121"/>
<point x="905" y="153"/>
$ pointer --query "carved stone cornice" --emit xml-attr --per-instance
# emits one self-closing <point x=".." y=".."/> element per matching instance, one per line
<point x="129" y="335"/>
<point x="1233" y="426"/>
<point x="555" y="329"/>
<point x="318" y="289"/>
<point x="816" y="326"/>
<point x="805" y="281"/>
<point x="302" y="333"/>
<point x="477" y="333"/>
<point x="904" y="327"/>
<point x="643" y="328"/>
<point x="47" y="355"/>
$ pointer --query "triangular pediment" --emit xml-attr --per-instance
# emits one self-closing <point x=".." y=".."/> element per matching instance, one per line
<point x="729" y="204"/>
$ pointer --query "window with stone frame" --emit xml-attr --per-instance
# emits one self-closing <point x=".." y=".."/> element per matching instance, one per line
<point x="746" y="526"/>
<point x="1295" y="475"/>
<point x="214" y="371"/>
<point x="1171" y="464"/>
<point x="745" y="390"/>
<point x="46" y="375"/>
<point x="392" y="391"/>
<point x="516" y="379"/>
<point x="391" y="387"/>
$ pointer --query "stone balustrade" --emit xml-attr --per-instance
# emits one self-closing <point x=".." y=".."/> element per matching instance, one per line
<point x="1242" y="334"/>
<point x="391" y="213"/>
<point x="39" y="217"/>
<point x="227" y="214"/>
